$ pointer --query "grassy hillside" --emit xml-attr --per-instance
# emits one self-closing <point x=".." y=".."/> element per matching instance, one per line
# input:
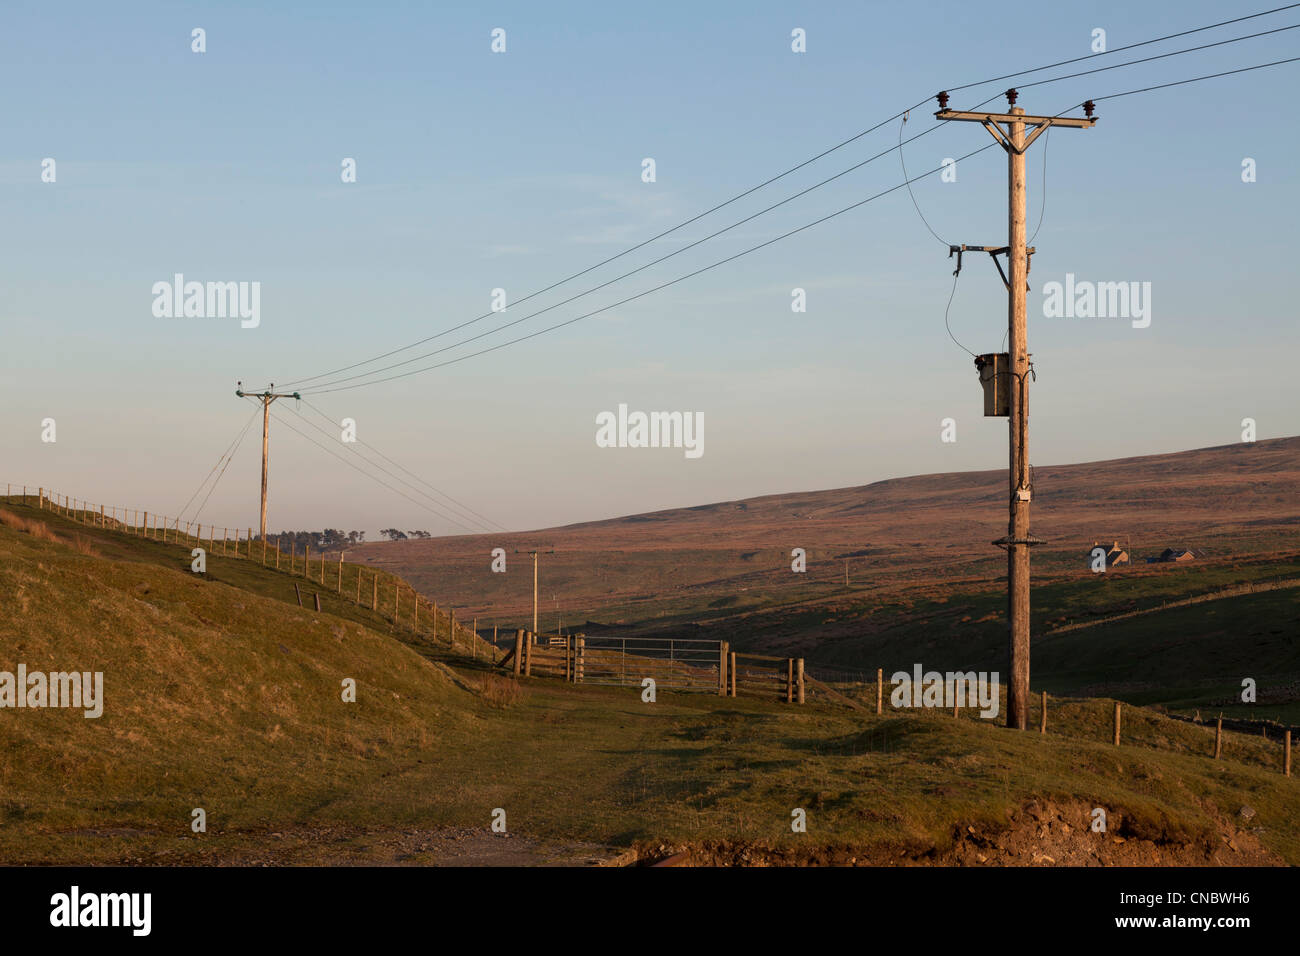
<point x="223" y="698"/>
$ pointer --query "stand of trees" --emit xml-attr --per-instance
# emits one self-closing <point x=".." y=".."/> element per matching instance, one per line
<point x="392" y="534"/>
<point x="327" y="540"/>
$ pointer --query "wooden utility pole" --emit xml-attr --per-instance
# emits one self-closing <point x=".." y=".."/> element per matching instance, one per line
<point x="266" y="398"/>
<point x="1009" y="130"/>
<point x="535" y="554"/>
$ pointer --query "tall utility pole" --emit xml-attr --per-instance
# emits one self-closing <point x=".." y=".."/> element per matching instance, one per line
<point x="1009" y="130"/>
<point x="266" y="398"/>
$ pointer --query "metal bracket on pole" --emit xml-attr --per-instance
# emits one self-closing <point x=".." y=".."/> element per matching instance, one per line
<point x="1007" y="542"/>
<point x="994" y="252"/>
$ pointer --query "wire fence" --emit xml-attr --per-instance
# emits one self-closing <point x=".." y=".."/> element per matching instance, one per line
<point x="386" y="595"/>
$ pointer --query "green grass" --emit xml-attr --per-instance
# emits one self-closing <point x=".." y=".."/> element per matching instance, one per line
<point x="222" y="694"/>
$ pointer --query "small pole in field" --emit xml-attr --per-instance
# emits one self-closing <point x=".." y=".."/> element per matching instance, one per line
<point x="789" y="680"/>
<point x="880" y="691"/>
<point x="1042" y="716"/>
<point x="1218" y="737"/>
<point x="519" y="649"/>
<point x="798" y="673"/>
<point x="298" y="593"/>
<point x="374" y="592"/>
<point x="1116" y="723"/>
<point x="316" y="595"/>
<point x="731" y="670"/>
<point x="1286" y="753"/>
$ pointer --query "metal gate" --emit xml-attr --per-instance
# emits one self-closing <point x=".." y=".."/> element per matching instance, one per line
<point x="675" y="663"/>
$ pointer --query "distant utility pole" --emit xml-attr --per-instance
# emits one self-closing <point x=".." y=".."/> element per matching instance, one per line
<point x="1009" y="130"/>
<point x="266" y="398"/>
<point x="534" y="554"/>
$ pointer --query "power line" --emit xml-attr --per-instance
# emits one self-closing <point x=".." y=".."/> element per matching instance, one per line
<point x="1196" y="79"/>
<point x="915" y="204"/>
<point x="625" y="275"/>
<point x="352" y="465"/>
<point x="801" y="165"/>
<point x="488" y="522"/>
<point x="230" y="450"/>
<point x="1130" y="46"/>
<point x="1042" y="208"/>
<point x="955" y="276"/>
<point x="334" y="387"/>
<point x="1159" y="56"/>
<point x="229" y="459"/>
<point x="657" y="288"/>
<point x="350" y="446"/>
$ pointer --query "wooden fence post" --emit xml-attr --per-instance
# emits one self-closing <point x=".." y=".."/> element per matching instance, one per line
<point x="1218" y="737"/>
<point x="731" y="671"/>
<point x="451" y="628"/>
<point x="374" y="592"/>
<point x="298" y="593"/>
<point x="1286" y="753"/>
<point x="789" y="680"/>
<point x="880" y="690"/>
<point x="798" y="674"/>
<point x="528" y="653"/>
<point x="358" y="586"/>
<point x="723" y="650"/>
<point x="397" y="600"/>
<point x="1042" y="716"/>
<point x="579" y="666"/>
<point x="340" y="587"/>
<point x="519" y="650"/>
<point x="306" y="560"/>
<point x="40" y="499"/>
<point x="1116" y="723"/>
<point x="317" y="597"/>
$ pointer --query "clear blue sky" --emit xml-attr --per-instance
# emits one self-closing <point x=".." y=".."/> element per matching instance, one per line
<point x="479" y="170"/>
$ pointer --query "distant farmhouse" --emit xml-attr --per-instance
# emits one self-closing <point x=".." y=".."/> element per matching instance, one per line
<point x="1173" y="555"/>
<point x="1114" y="554"/>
